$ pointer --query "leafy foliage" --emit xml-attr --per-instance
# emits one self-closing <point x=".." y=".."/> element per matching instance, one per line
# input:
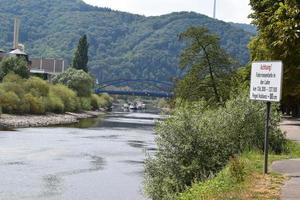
<point x="101" y="101"/>
<point x="122" y="45"/>
<point x="36" y="96"/>
<point x="207" y="66"/>
<point x="278" y="39"/>
<point x="68" y="97"/>
<point x="77" y="80"/>
<point x="13" y="64"/>
<point x="81" y="55"/>
<point x="197" y="141"/>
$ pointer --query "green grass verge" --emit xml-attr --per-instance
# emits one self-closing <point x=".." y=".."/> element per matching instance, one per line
<point x="254" y="186"/>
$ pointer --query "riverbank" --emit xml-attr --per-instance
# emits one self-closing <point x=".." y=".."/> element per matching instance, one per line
<point x="8" y="121"/>
<point x="281" y="183"/>
<point x="253" y="185"/>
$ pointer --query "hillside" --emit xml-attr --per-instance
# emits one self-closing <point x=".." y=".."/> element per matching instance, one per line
<point x="122" y="45"/>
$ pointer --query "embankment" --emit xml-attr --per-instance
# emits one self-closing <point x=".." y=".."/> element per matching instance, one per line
<point x="8" y="121"/>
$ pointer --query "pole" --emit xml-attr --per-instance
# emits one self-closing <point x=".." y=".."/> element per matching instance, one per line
<point x="266" y="145"/>
<point x="215" y="8"/>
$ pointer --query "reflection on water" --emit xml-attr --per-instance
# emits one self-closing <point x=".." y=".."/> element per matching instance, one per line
<point x="99" y="158"/>
<point x="52" y="186"/>
<point x="136" y="144"/>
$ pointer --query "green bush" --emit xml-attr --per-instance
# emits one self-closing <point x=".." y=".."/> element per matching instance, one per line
<point x="11" y="82"/>
<point x="36" y="104"/>
<point x="36" y="96"/>
<point x="105" y="101"/>
<point x="12" y="64"/>
<point x="55" y="103"/>
<point x="37" y="87"/>
<point x="197" y="141"/>
<point x="9" y="101"/>
<point x="95" y="101"/>
<point x="67" y="96"/>
<point x="12" y="77"/>
<point x="85" y="103"/>
<point x="77" y="80"/>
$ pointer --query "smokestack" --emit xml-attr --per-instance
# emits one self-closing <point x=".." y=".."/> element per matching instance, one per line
<point x="215" y="8"/>
<point x="16" y="33"/>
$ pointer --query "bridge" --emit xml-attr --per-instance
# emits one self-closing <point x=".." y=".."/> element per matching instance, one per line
<point x="164" y="92"/>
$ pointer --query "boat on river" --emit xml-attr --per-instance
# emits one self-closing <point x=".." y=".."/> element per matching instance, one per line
<point x="125" y="106"/>
<point x="133" y="106"/>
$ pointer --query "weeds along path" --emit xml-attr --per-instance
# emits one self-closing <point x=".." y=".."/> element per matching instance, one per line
<point x="291" y="168"/>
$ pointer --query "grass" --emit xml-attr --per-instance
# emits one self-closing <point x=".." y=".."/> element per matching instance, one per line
<point x="255" y="185"/>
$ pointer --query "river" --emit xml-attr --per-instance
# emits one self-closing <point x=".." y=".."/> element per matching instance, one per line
<point x="97" y="159"/>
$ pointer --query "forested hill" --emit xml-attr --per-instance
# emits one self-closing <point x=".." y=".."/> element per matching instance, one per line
<point x="122" y="45"/>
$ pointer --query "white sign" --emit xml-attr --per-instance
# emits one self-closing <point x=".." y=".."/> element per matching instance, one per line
<point x="266" y="81"/>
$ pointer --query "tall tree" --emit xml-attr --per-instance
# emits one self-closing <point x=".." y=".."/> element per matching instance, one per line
<point x="278" y="23"/>
<point x="206" y="64"/>
<point x="81" y="55"/>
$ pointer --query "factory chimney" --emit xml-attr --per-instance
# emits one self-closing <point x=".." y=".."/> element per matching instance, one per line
<point x="215" y="9"/>
<point x="16" y="33"/>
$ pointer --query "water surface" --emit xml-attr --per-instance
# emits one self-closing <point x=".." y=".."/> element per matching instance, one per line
<point x="104" y="161"/>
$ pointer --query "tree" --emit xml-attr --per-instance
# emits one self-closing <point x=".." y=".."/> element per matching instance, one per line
<point x="279" y="39"/>
<point x="207" y="66"/>
<point x="81" y="55"/>
<point x="13" y="64"/>
<point x="77" y="80"/>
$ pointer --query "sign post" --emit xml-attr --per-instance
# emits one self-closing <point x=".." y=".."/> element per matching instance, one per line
<point x="266" y="85"/>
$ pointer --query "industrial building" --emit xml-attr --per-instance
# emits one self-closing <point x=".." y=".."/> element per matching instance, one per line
<point x="45" y="66"/>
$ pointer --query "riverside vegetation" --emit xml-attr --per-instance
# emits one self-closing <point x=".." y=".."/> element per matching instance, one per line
<point x="70" y="91"/>
<point x="196" y="142"/>
<point x="24" y="94"/>
<point x="211" y="146"/>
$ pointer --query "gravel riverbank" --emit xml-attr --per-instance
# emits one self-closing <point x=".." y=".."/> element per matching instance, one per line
<point x="8" y="121"/>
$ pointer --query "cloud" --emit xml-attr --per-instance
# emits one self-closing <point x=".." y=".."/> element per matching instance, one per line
<point x="227" y="10"/>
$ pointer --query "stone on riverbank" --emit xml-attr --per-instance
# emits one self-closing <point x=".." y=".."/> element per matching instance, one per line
<point x="8" y="121"/>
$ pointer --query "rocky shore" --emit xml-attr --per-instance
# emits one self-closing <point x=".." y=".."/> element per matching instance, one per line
<point x="8" y="121"/>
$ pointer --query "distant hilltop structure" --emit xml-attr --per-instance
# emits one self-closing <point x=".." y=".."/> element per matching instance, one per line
<point x="45" y="66"/>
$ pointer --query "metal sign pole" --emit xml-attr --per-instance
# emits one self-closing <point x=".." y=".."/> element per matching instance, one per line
<point x="266" y="145"/>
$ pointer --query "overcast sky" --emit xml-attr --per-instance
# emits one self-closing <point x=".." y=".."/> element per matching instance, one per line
<point x="227" y="10"/>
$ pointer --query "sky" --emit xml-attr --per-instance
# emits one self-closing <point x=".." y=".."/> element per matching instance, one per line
<point x="227" y="10"/>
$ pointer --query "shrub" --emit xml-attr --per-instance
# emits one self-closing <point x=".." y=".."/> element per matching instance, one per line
<point x="16" y="65"/>
<point x="55" y="103"/>
<point x="85" y="103"/>
<point x="105" y="101"/>
<point x="37" y="87"/>
<point x="67" y="96"/>
<point x="13" y="87"/>
<point x="36" y="104"/>
<point x="12" y="77"/>
<point x="9" y="101"/>
<point x="18" y="105"/>
<point x="77" y="80"/>
<point x="95" y="101"/>
<point x="196" y="142"/>
<point x="36" y="96"/>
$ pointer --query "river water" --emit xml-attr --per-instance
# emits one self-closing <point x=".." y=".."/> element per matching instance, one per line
<point x="97" y="159"/>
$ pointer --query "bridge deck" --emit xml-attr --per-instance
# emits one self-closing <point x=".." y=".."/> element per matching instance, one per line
<point x="136" y="93"/>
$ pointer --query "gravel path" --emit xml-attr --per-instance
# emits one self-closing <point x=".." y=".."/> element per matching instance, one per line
<point x="291" y="168"/>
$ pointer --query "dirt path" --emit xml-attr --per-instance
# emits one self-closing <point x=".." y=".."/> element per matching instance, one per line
<point x="291" y="168"/>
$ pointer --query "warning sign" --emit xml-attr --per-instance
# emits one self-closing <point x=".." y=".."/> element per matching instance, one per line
<point x="266" y="81"/>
